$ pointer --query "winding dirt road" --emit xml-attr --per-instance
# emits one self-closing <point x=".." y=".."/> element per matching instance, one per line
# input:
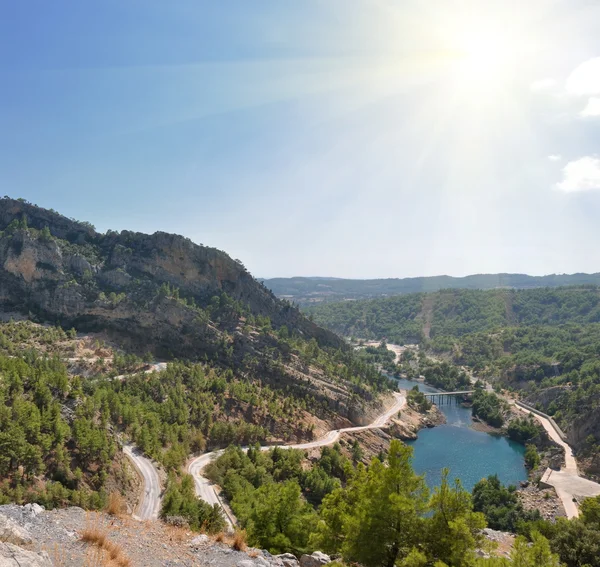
<point x="149" y="505"/>
<point x="206" y="490"/>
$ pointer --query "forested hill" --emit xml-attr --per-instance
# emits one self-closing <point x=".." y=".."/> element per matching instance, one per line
<point x="308" y="291"/>
<point x="453" y="313"/>
<point x="542" y="343"/>
<point x="163" y="296"/>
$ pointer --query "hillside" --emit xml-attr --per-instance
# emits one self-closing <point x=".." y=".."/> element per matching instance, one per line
<point x="453" y="313"/>
<point x="309" y="291"/>
<point x="162" y="295"/>
<point x="85" y="316"/>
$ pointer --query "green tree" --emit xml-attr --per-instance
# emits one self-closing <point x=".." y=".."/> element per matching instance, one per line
<point x="532" y="457"/>
<point x="454" y="530"/>
<point x="386" y="521"/>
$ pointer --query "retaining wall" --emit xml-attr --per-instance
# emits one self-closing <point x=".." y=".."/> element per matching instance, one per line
<point x="558" y="430"/>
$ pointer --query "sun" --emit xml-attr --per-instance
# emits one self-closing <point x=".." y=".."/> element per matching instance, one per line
<point x="485" y="55"/>
<point x="482" y="55"/>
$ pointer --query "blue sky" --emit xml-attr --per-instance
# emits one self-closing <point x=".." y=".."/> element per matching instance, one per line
<point x="339" y="137"/>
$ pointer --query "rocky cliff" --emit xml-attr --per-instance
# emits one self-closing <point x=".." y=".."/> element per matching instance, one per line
<point x="162" y="294"/>
<point x="64" y="271"/>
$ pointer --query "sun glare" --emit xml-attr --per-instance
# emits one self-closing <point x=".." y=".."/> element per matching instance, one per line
<point x="486" y="56"/>
<point x="483" y="55"/>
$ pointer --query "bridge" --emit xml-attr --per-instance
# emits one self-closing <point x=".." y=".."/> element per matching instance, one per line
<point x="447" y="396"/>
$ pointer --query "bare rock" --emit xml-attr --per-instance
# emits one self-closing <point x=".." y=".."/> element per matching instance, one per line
<point x="200" y="541"/>
<point x="11" y="532"/>
<point x="315" y="559"/>
<point x="288" y="560"/>
<point x="14" y="556"/>
<point x="33" y="510"/>
<point x="118" y="278"/>
<point x="79" y="264"/>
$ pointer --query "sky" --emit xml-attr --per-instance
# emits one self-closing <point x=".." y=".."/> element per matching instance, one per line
<point x="346" y="138"/>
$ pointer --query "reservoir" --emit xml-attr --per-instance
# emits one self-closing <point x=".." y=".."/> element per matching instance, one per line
<point x="470" y="455"/>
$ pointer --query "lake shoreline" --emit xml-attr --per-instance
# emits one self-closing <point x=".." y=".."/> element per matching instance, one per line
<point x="470" y="454"/>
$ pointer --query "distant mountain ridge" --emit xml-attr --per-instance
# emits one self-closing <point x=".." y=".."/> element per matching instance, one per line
<point x="311" y="290"/>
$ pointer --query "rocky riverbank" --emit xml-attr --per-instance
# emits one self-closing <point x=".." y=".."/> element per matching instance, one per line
<point x="545" y="500"/>
<point x="410" y="421"/>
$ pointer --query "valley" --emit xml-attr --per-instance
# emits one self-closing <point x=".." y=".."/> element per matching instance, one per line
<point x="147" y="377"/>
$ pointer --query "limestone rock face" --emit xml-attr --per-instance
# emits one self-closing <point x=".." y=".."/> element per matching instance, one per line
<point x="79" y="264"/>
<point x="315" y="559"/>
<point x="14" y="556"/>
<point x="11" y="532"/>
<point x="118" y="279"/>
<point x="60" y="273"/>
<point x="288" y="560"/>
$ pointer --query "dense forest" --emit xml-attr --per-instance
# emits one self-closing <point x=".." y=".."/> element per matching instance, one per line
<point x="67" y="429"/>
<point x="453" y="313"/>
<point x="308" y="291"/>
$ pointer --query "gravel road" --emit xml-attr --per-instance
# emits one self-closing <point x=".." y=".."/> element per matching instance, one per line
<point x="149" y="504"/>
<point x="206" y="490"/>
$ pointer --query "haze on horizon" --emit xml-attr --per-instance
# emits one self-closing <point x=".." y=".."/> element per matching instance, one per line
<point x="344" y="138"/>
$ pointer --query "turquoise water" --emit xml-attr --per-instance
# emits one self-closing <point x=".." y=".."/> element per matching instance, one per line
<point x="470" y="455"/>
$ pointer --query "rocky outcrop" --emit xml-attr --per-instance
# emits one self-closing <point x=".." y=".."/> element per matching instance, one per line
<point x="59" y="269"/>
<point x="11" y="532"/>
<point x="315" y="559"/>
<point x="288" y="560"/>
<point x="13" y="536"/>
<point x="15" y="556"/>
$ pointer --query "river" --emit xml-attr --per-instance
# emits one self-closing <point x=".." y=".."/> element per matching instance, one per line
<point x="470" y="455"/>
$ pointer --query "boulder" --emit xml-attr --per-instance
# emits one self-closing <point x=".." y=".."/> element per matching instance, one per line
<point x="288" y="560"/>
<point x="261" y="561"/>
<point x="14" y="556"/>
<point x="33" y="510"/>
<point x="315" y="559"/>
<point x="246" y="563"/>
<point x="79" y="264"/>
<point x="200" y="541"/>
<point x="11" y="532"/>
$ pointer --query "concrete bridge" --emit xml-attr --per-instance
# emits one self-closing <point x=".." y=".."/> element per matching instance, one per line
<point x="447" y="396"/>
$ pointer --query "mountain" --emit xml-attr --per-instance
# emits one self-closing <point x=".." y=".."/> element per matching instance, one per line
<point x="64" y="271"/>
<point x="84" y="317"/>
<point x="164" y="295"/>
<point x="308" y="291"/>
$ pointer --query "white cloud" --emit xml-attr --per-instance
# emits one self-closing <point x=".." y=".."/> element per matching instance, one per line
<point x="542" y="84"/>
<point x="585" y="78"/>
<point x="555" y="157"/>
<point x="582" y="174"/>
<point x="592" y="108"/>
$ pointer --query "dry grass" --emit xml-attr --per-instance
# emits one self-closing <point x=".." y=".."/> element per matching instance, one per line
<point x="239" y="540"/>
<point x="56" y="555"/>
<point x="177" y="534"/>
<point x="106" y="553"/>
<point x="116" y="504"/>
<point x="221" y="537"/>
